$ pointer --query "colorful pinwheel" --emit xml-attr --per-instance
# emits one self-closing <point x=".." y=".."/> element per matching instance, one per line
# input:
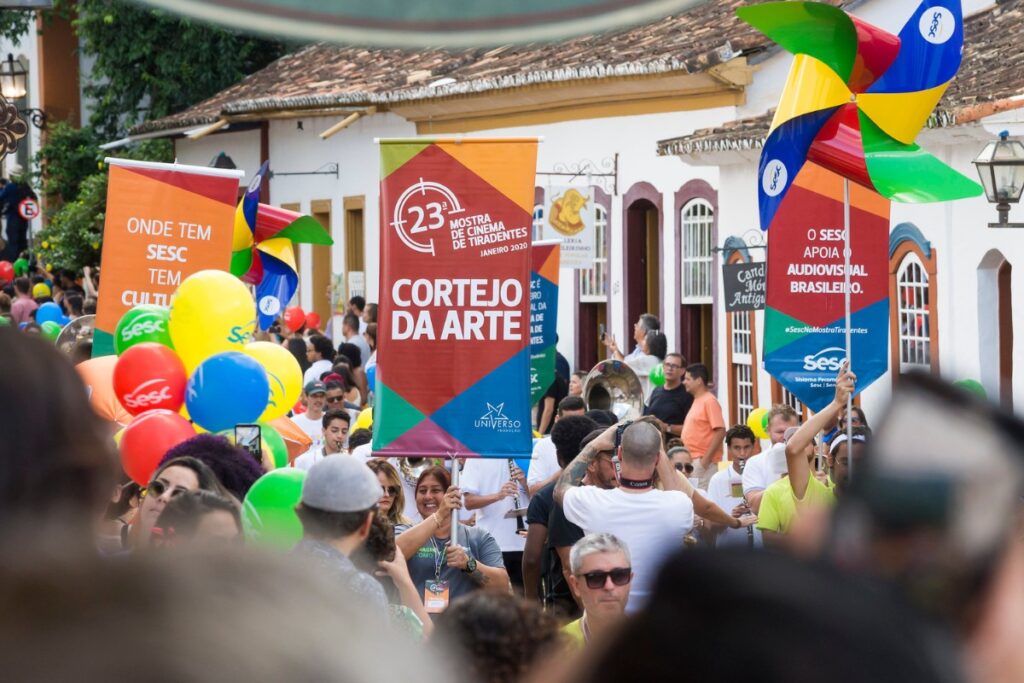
<point x="262" y="253"/>
<point x="856" y="98"/>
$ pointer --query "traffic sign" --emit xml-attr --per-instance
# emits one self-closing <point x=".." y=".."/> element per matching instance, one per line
<point x="28" y="208"/>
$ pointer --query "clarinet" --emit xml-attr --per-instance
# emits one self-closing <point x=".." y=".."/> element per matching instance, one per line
<point x="750" y="528"/>
<point x="520" y="526"/>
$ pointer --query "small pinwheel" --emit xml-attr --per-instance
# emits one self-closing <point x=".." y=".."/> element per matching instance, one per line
<point x="856" y="98"/>
<point x="262" y="253"/>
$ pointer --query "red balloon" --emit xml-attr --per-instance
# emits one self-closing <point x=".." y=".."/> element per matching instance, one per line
<point x="6" y="271"/>
<point x="313" y="321"/>
<point x="149" y="376"/>
<point x="148" y="438"/>
<point x="294" y="318"/>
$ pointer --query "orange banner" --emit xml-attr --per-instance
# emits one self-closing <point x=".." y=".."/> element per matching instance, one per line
<point x="163" y="223"/>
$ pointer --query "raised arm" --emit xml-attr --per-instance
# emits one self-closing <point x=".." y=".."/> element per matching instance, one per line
<point x="796" y="461"/>
<point x="415" y="537"/>
<point x="574" y="472"/>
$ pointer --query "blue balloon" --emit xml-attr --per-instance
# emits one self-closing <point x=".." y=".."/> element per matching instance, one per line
<point x="227" y="389"/>
<point x="22" y="325"/>
<point x="64" y="320"/>
<point x="371" y="378"/>
<point x="49" y="311"/>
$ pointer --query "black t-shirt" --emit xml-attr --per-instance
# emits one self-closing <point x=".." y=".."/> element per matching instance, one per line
<point x="561" y="532"/>
<point x="558" y="390"/>
<point x="541" y="506"/>
<point x="669" y="405"/>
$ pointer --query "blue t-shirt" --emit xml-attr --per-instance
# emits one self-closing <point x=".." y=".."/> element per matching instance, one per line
<point x="423" y="566"/>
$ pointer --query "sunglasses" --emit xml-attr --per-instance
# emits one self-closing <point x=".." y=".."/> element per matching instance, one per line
<point x="684" y="467"/>
<point x="336" y="399"/>
<point x="619" y="577"/>
<point x="389" y="490"/>
<point x="158" y="488"/>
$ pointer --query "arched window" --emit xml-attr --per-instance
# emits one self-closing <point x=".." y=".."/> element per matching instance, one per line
<point x="538" y="222"/>
<point x="594" y="280"/>
<point x="697" y="220"/>
<point x="913" y="323"/>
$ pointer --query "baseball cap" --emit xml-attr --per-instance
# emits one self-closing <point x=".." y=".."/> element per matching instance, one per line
<point x="315" y="387"/>
<point x="340" y="483"/>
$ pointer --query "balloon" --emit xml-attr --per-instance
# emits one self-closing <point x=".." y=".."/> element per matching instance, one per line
<point x="657" y="376"/>
<point x="20" y="267"/>
<point x="98" y="376"/>
<point x="756" y="421"/>
<point x="371" y="379"/>
<point x="142" y="324"/>
<point x="365" y="420"/>
<point x="6" y="271"/>
<point x="268" y="511"/>
<point x="227" y="389"/>
<point x="40" y="290"/>
<point x="50" y="330"/>
<point x="973" y="386"/>
<point x="5" y="321"/>
<point x="148" y="438"/>
<point x="149" y="376"/>
<point x="211" y="312"/>
<point x="275" y="443"/>
<point x="298" y="441"/>
<point x="313" y="321"/>
<point x="283" y="374"/>
<point x="49" y="311"/>
<point x="294" y="318"/>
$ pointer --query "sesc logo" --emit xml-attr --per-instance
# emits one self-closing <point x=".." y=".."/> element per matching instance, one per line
<point x="830" y="359"/>
<point x="937" y="25"/>
<point x="242" y="334"/>
<point x="148" y="394"/>
<point x="143" y="327"/>
<point x="774" y="178"/>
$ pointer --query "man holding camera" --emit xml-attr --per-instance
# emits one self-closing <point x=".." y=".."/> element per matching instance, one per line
<point x="646" y="323"/>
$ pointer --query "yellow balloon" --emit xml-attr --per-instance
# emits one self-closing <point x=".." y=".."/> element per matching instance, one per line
<point x="283" y="374"/>
<point x="365" y="420"/>
<point x="211" y="312"/>
<point x="756" y="422"/>
<point x="117" y="436"/>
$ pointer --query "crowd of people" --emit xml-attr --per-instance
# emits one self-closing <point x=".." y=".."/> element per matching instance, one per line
<point x="594" y="559"/>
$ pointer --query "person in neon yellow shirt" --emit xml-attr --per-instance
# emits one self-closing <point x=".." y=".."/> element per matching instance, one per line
<point x="600" y="579"/>
<point x="783" y="500"/>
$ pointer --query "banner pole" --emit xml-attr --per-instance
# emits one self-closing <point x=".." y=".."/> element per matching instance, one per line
<point x="849" y="329"/>
<point x="455" y="513"/>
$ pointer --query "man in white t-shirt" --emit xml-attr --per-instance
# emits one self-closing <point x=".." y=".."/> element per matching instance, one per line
<point x="320" y="353"/>
<point x="311" y="421"/>
<point x="726" y="487"/>
<point x="544" y="467"/>
<point x="334" y="435"/>
<point x="651" y="522"/>
<point x="766" y="468"/>
<point x="493" y="487"/>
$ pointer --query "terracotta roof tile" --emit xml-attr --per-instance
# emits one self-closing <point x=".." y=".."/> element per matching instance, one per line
<point x="990" y="80"/>
<point x="330" y="76"/>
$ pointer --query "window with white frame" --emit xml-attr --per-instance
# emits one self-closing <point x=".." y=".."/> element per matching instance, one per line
<point x="594" y="280"/>
<point x="912" y="295"/>
<point x="742" y="364"/>
<point x="697" y="220"/>
<point x="538" y="222"/>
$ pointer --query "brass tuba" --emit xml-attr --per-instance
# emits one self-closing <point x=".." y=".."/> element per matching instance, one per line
<point x="612" y="385"/>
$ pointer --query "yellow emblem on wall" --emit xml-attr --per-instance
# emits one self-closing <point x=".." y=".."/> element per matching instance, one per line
<point x="565" y="212"/>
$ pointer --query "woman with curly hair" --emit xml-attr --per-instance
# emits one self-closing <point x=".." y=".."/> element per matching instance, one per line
<point x="498" y="636"/>
<point x="392" y="499"/>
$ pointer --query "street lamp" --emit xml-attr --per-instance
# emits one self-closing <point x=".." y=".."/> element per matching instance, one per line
<point x="1001" y="169"/>
<point x="13" y="78"/>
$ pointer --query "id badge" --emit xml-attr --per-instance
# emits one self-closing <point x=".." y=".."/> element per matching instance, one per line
<point x="737" y="490"/>
<point x="435" y="596"/>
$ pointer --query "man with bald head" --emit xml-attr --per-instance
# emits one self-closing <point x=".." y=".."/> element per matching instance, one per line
<point x="650" y="521"/>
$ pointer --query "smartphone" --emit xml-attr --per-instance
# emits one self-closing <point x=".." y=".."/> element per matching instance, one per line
<point x="601" y="329"/>
<point x="249" y="438"/>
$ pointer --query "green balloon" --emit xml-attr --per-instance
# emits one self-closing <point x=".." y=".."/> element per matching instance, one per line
<point x="21" y="267"/>
<point x="764" y="422"/>
<point x="5" y="321"/>
<point x="50" y="329"/>
<point x="268" y="511"/>
<point x="142" y="324"/>
<point x="657" y="375"/>
<point x="973" y="386"/>
<point x="275" y="442"/>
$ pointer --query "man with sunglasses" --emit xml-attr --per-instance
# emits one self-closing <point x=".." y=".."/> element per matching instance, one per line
<point x="600" y="580"/>
<point x="335" y="425"/>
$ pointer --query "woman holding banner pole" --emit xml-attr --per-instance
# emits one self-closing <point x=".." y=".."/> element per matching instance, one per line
<point x="440" y="569"/>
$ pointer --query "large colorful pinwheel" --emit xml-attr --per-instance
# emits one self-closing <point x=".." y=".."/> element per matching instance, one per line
<point x="856" y="98"/>
<point x="262" y="252"/>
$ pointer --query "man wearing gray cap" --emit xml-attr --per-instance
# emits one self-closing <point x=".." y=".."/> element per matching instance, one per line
<point x="339" y="500"/>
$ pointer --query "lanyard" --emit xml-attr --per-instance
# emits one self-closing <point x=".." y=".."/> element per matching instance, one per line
<point x="439" y="557"/>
